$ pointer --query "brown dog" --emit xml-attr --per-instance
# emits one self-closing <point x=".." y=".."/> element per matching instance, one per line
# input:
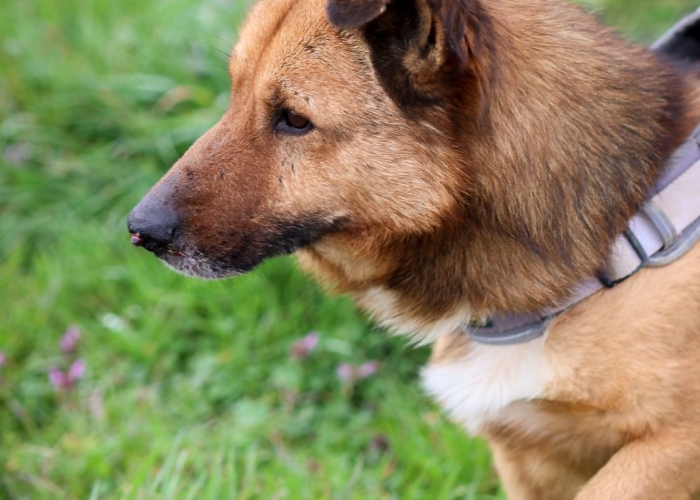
<point x="441" y="160"/>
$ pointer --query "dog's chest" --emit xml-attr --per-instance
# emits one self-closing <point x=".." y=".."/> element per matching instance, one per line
<point x="502" y="392"/>
<point x="475" y="382"/>
<point x="570" y="434"/>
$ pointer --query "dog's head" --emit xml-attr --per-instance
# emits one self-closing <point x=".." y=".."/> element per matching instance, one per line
<point x="339" y="126"/>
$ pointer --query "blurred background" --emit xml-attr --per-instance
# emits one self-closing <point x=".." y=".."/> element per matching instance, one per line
<point x="120" y="379"/>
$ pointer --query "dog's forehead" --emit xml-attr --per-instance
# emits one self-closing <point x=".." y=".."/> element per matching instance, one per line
<point x="280" y="22"/>
<point x="284" y="42"/>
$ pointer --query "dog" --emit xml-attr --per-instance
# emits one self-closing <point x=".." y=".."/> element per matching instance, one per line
<point x="447" y="161"/>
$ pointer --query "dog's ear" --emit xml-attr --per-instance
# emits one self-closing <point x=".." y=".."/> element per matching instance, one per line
<point x="455" y="24"/>
<point x="464" y="24"/>
<point x="412" y="42"/>
<point x="351" y="14"/>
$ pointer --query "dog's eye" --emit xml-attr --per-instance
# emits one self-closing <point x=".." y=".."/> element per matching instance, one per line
<point x="291" y="122"/>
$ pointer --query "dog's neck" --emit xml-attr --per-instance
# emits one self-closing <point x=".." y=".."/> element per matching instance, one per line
<point x="580" y="125"/>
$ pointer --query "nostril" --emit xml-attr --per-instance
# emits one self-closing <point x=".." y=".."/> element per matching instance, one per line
<point x="155" y="239"/>
<point x="136" y="240"/>
<point x="152" y="226"/>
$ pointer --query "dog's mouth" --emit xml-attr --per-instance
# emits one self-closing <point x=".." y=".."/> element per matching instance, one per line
<point x="238" y="252"/>
<point x="187" y="260"/>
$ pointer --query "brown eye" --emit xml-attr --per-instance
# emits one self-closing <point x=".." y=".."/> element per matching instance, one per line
<point x="293" y="123"/>
<point x="295" y="120"/>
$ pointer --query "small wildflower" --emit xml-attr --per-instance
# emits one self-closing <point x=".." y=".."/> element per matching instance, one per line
<point x="66" y="380"/>
<point x="57" y="378"/>
<point x="352" y="373"/>
<point x="368" y="369"/>
<point x="346" y="372"/>
<point x="69" y="341"/>
<point x="304" y="346"/>
<point x="76" y="370"/>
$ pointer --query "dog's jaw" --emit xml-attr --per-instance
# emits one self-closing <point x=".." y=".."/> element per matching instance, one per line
<point x="383" y="305"/>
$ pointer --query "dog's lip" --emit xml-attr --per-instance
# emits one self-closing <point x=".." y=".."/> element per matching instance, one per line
<point x="155" y="248"/>
<point x="173" y="251"/>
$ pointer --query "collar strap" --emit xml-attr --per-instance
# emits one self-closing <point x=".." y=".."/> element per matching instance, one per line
<point x="666" y="228"/>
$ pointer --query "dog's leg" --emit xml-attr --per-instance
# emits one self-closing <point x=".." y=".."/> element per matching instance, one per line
<point x="662" y="466"/>
<point x="528" y="471"/>
<point x="530" y="475"/>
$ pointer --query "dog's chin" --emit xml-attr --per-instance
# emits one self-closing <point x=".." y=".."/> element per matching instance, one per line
<point x="198" y="266"/>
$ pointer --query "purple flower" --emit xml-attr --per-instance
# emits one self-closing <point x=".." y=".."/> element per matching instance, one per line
<point x="76" y="370"/>
<point x="346" y="372"/>
<point x="304" y="346"/>
<point x="352" y="373"/>
<point x="57" y="378"/>
<point x="368" y="369"/>
<point x="66" y="380"/>
<point x="69" y="341"/>
<point x="2" y="359"/>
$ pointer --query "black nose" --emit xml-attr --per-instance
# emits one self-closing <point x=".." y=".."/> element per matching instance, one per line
<point x="153" y="224"/>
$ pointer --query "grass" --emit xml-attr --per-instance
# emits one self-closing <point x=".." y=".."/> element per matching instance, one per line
<point x="190" y="390"/>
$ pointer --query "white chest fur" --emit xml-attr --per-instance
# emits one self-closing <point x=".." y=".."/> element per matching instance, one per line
<point x="474" y="389"/>
<point x="486" y="380"/>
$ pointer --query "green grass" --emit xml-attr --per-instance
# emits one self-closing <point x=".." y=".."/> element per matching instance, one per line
<point x="190" y="389"/>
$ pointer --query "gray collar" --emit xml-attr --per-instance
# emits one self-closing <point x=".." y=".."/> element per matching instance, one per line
<point x="666" y="228"/>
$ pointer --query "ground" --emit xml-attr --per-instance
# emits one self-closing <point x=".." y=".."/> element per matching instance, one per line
<point x="191" y="389"/>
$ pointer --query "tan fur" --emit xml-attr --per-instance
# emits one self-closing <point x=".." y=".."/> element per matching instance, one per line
<point x="623" y="403"/>
<point x="469" y="158"/>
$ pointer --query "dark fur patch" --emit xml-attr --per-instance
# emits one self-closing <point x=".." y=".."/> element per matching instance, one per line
<point x="351" y="14"/>
<point x="390" y="38"/>
<point x="242" y="250"/>
<point x="468" y="70"/>
<point x="464" y="23"/>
